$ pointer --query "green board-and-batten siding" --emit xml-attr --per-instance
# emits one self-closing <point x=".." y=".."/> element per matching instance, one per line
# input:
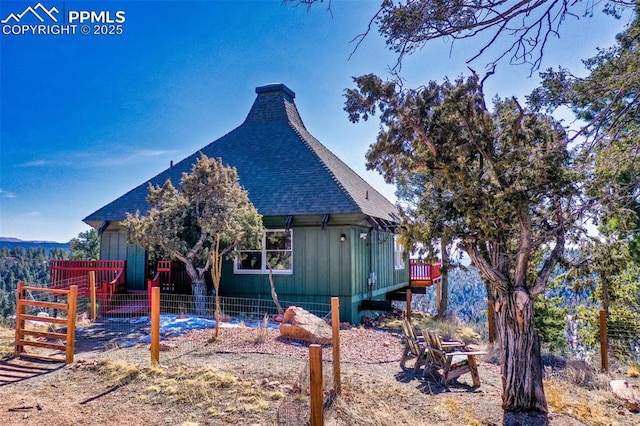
<point x="320" y="270"/>
<point x="323" y="267"/>
<point x="113" y="246"/>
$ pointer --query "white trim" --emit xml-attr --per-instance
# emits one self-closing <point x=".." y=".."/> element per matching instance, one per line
<point x="396" y="245"/>
<point x="263" y="256"/>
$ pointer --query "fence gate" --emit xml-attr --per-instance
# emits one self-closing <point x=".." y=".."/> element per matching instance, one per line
<point x="41" y="328"/>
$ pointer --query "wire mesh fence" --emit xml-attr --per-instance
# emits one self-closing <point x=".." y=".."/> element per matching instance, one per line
<point x="623" y="333"/>
<point x="615" y="347"/>
<point x="248" y="343"/>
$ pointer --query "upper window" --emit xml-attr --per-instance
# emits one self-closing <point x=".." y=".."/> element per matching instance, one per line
<point x="275" y="252"/>
<point x="398" y="253"/>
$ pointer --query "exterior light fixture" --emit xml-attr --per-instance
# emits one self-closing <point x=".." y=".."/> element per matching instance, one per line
<point x="343" y="238"/>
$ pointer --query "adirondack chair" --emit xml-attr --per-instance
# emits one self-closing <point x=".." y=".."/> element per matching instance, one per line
<point x="414" y="347"/>
<point x="450" y="361"/>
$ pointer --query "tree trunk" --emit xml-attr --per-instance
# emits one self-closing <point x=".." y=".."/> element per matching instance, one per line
<point x="274" y="295"/>
<point x="216" y="275"/>
<point x="521" y="363"/>
<point x="199" y="287"/>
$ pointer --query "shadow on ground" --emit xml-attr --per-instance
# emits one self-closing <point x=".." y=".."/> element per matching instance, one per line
<point x="15" y="370"/>
<point x="101" y="336"/>
<point x="431" y="383"/>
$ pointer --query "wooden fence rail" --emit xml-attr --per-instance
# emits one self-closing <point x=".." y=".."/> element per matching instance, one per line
<point x="47" y="339"/>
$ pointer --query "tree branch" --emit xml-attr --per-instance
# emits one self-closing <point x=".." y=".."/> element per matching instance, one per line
<point x="495" y="278"/>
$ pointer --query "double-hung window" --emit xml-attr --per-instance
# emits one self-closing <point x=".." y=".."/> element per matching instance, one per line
<point x="276" y="251"/>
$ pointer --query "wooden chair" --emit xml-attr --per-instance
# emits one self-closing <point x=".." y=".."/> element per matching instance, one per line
<point x="414" y="347"/>
<point x="449" y="360"/>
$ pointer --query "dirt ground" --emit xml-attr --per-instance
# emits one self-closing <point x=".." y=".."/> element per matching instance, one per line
<point x="254" y="377"/>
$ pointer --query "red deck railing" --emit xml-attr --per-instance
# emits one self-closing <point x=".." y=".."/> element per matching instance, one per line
<point x="422" y="273"/>
<point x="171" y="277"/>
<point x="163" y="274"/>
<point x="110" y="276"/>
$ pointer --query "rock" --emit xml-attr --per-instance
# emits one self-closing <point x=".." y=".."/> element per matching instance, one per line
<point x="287" y="388"/>
<point x="632" y="406"/>
<point x="629" y="392"/>
<point x="164" y="347"/>
<point x="300" y="324"/>
<point x="580" y="371"/>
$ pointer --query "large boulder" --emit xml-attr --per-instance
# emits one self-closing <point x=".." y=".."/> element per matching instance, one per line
<point x="300" y="324"/>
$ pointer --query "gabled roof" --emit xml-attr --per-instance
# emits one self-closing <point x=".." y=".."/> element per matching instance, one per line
<point x="285" y="170"/>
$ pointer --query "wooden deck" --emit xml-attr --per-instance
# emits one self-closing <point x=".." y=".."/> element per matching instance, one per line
<point x="423" y="274"/>
<point x="132" y="303"/>
<point x="130" y="308"/>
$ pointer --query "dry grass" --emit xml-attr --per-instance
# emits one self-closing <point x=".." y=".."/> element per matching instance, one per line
<point x="380" y="411"/>
<point x="258" y="335"/>
<point x="587" y="406"/>
<point x="237" y="382"/>
<point x="119" y="372"/>
<point x="7" y="340"/>
<point x="189" y="385"/>
<point x="451" y="407"/>
<point x="633" y="370"/>
<point x="215" y="394"/>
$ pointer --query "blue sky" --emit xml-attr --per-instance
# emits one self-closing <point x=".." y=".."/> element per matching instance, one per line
<point x="86" y="118"/>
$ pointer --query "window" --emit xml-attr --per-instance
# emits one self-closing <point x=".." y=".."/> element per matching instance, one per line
<point x="276" y="251"/>
<point x="398" y="253"/>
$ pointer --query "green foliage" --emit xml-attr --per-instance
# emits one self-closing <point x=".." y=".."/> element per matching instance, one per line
<point x="186" y="223"/>
<point x="550" y="316"/>
<point x="86" y="246"/>
<point x="468" y="305"/>
<point x="30" y="266"/>
<point x="498" y="181"/>
<point x="607" y="101"/>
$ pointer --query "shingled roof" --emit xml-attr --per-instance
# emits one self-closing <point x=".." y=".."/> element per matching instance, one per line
<point x="285" y="170"/>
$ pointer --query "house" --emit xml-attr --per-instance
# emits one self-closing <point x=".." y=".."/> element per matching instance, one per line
<point x="332" y="232"/>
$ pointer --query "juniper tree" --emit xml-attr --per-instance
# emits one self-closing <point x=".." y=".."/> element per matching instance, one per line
<point x="208" y="217"/>
<point x="500" y="182"/>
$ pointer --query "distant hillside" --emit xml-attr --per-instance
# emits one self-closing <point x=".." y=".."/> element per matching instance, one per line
<point x="11" y="243"/>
